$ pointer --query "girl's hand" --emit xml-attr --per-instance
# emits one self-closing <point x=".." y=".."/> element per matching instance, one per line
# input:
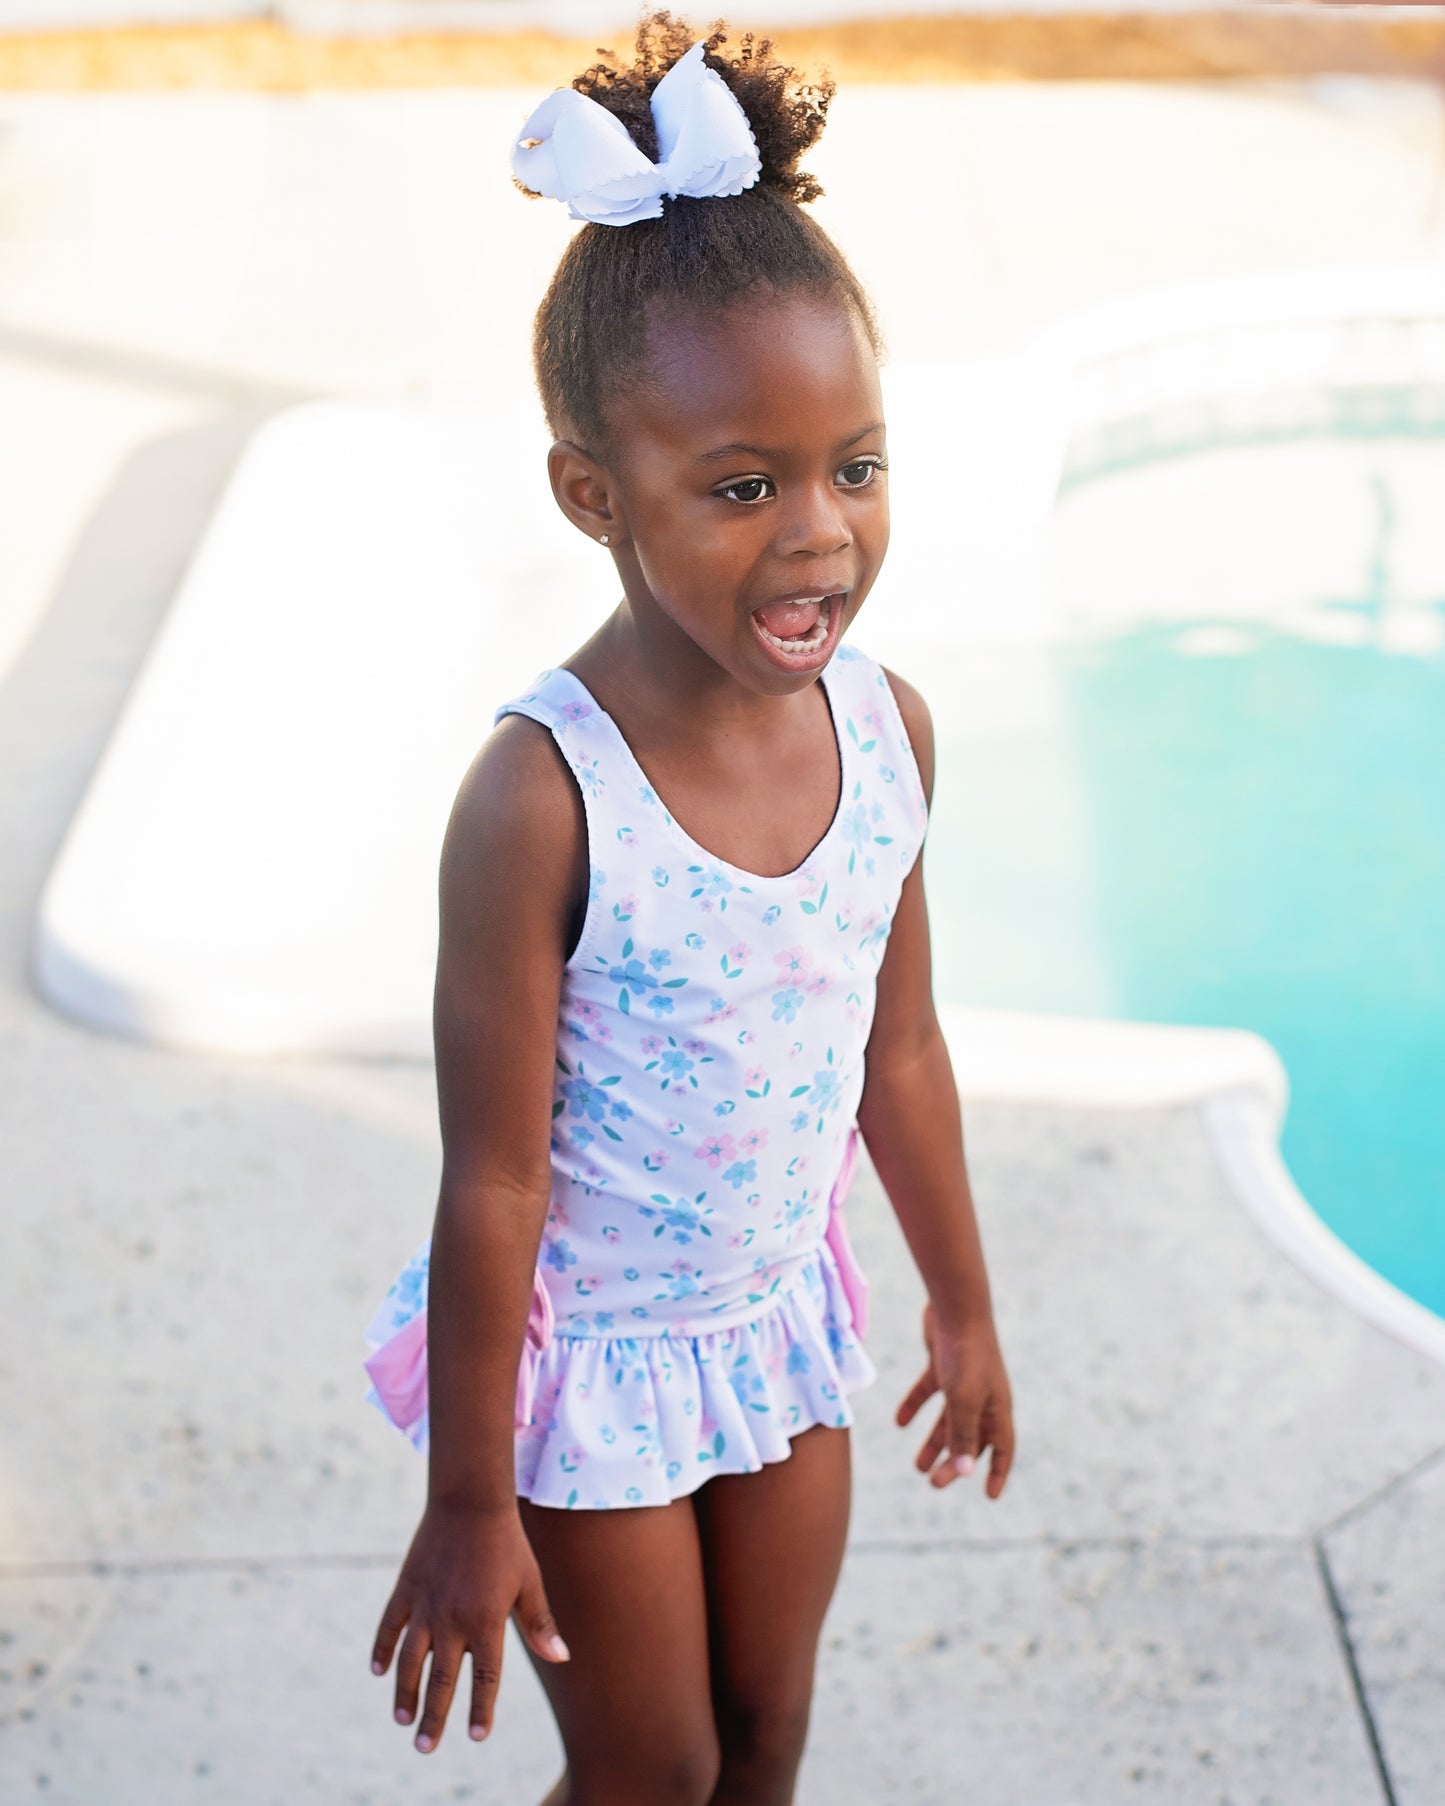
<point x="466" y="1572"/>
<point x="967" y="1367"/>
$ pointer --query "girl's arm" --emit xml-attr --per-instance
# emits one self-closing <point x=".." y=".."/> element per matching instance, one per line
<point x="513" y="886"/>
<point x="910" y="1119"/>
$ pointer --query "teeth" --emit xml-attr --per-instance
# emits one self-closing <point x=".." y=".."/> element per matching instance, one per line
<point x="816" y="634"/>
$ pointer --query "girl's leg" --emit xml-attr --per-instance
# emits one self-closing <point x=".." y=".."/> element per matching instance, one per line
<point x="772" y="1549"/>
<point x="634" y="1704"/>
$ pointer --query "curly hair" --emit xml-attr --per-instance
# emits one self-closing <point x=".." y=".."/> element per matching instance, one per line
<point x="589" y="338"/>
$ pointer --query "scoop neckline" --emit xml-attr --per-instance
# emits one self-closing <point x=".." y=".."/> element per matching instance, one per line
<point x="799" y="870"/>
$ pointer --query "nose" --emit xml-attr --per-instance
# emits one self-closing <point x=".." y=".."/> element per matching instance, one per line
<point x="813" y="522"/>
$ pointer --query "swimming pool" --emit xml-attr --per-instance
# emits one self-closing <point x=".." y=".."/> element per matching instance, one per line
<point x="1215" y="795"/>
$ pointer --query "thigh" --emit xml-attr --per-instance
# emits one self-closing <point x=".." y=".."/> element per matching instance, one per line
<point x="634" y="1704"/>
<point x="772" y="1550"/>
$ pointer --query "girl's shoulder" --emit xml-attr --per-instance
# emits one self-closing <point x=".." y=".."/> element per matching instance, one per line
<point x="517" y="822"/>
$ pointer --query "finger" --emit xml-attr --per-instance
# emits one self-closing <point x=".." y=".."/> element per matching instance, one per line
<point x="486" y="1678"/>
<point x="393" y="1623"/>
<point x="446" y="1665"/>
<point x="999" y="1464"/>
<point x="414" y="1646"/>
<point x="1002" y="1459"/>
<point x="963" y="1433"/>
<point x="533" y="1618"/>
<point x="934" y="1446"/>
<point x="922" y="1389"/>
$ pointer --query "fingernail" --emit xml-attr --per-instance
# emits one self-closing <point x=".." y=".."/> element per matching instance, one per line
<point x="478" y="1732"/>
<point x="402" y="1715"/>
<point x="376" y="1668"/>
<point x="964" y="1464"/>
<point x="559" y="1649"/>
<point x="424" y="1743"/>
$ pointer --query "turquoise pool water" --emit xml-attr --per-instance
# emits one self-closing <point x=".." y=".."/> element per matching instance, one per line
<point x="1252" y="837"/>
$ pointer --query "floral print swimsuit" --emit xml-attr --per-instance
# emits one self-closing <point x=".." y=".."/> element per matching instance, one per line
<point x="689" y="1312"/>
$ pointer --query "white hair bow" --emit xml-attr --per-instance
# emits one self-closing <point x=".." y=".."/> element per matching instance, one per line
<point x="574" y="150"/>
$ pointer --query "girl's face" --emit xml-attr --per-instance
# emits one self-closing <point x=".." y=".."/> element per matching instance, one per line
<point x="748" y="489"/>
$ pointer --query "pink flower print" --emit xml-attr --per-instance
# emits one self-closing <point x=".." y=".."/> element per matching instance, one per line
<point x="809" y="880"/>
<point x="715" y="1149"/>
<point x="627" y="837"/>
<point x="576" y="711"/>
<point x="793" y="960"/>
<point x="674" y="1127"/>
<point x="708" y="1425"/>
<point x="754" y="1076"/>
<point x="651" y="1045"/>
<point x="816" y="984"/>
<point x="628" y="905"/>
<point x="696" y="1048"/>
<point x="602" y="1034"/>
<point x="656" y="1160"/>
<point x="611" y="1233"/>
<point x="739" y="953"/>
<point x="746" y="1038"/>
<point x="754" y="1141"/>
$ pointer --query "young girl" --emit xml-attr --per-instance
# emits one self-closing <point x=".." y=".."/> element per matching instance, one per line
<point x="683" y="950"/>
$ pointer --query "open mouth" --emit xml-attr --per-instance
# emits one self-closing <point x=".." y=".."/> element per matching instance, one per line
<point x="799" y="626"/>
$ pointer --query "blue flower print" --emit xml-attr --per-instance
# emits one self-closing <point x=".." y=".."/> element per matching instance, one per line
<point x="713" y="885"/>
<point x="661" y="877"/>
<point x="800" y="1121"/>
<point x="603" y="1319"/>
<point x="673" y="1062"/>
<point x="580" y="1137"/>
<point x="660" y="1005"/>
<point x="771" y="914"/>
<point x="798" y="1360"/>
<point x="586" y="1097"/>
<point x="855" y="825"/>
<point x="786" y="1004"/>
<point x="741" y="1173"/>
<point x="824" y="1094"/>
<point x="681" y="1282"/>
<point x="683" y="1216"/>
<point x="695" y="941"/>
<point x="658" y="958"/>
<point x="621" y="1109"/>
<point x="557" y="1254"/>
<point x="632" y="976"/>
<point x="858" y="824"/>
<point x="596" y="878"/>
<point x="588" y="775"/>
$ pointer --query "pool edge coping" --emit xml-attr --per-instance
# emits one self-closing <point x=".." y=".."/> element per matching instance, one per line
<point x="1238" y="1084"/>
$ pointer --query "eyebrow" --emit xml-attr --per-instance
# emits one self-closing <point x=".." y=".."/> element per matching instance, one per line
<point x="761" y="451"/>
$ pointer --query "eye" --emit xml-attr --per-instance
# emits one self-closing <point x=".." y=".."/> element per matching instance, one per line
<point x="861" y="472"/>
<point x="747" y="490"/>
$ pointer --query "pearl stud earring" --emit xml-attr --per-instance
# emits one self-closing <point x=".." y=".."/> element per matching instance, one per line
<point x="604" y="539"/>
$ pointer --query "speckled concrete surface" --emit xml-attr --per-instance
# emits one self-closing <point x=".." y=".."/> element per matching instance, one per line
<point x="1387" y="1563"/>
<point x="198" y="1517"/>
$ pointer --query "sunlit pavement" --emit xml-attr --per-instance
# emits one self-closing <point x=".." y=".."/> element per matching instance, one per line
<point x="1214" y="1575"/>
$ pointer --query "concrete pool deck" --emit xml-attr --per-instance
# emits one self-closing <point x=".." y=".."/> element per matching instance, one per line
<point x="1216" y="1573"/>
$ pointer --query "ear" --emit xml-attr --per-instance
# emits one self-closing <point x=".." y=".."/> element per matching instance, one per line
<point x="584" y="492"/>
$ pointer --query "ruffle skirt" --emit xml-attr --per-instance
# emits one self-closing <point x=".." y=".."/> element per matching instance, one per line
<point x="622" y="1421"/>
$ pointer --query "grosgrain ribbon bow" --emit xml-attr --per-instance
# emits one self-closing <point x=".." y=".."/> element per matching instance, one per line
<point x="574" y="150"/>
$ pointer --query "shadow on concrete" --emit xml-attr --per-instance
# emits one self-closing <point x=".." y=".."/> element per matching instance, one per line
<point x="60" y="700"/>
